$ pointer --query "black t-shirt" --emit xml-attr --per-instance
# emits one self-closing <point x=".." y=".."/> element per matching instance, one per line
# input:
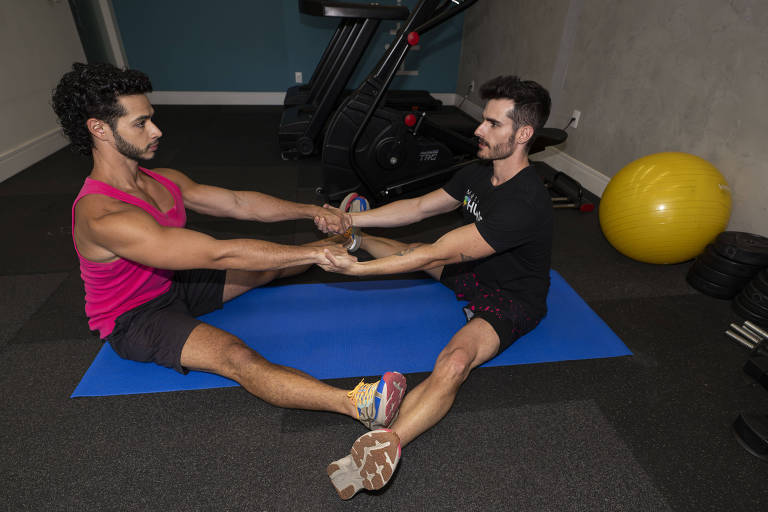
<point x="515" y="218"/>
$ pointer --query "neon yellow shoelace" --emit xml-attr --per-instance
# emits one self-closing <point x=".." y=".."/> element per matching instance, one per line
<point x="363" y="393"/>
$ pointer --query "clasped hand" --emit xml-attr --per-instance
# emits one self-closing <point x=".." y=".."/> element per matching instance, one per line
<point x="338" y="260"/>
<point x="332" y="220"/>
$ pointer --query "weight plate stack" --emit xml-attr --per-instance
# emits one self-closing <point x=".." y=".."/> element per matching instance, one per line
<point x="743" y="247"/>
<point x="718" y="276"/>
<point x="752" y="302"/>
<point x="727" y="265"/>
<point x="712" y="258"/>
<point x="708" y="287"/>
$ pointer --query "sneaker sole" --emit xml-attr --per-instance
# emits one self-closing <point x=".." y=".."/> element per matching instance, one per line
<point x="347" y="201"/>
<point x="370" y="464"/>
<point x="395" y="386"/>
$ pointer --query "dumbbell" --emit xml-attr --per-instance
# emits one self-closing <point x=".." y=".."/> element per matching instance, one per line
<point x="571" y="193"/>
<point x="756" y="340"/>
<point x="751" y="429"/>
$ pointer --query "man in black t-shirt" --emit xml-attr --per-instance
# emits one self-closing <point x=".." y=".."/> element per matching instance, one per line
<point x="498" y="261"/>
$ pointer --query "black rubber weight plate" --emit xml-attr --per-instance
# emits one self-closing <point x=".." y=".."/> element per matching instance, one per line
<point x="709" y="288"/>
<point x="755" y="300"/>
<point x="761" y="281"/>
<point x="722" y="264"/>
<point x="751" y="431"/>
<point x="717" y="277"/>
<point x="743" y="310"/>
<point x="743" y="247"/>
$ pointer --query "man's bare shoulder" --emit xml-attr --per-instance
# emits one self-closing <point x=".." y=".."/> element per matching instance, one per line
<point x="101" y="220"/>
<point x="96" y="206"/>
<point x="92" y="214"/>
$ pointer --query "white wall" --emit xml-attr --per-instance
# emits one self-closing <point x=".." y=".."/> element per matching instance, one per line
<point x="38" y="44"/>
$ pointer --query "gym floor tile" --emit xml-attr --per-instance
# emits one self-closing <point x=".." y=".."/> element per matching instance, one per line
<point x="22" y="296"/>
<point x="60" y="317"/>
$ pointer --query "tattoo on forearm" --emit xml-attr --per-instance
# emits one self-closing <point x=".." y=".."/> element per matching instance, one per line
<point x="405" y="251"/>
<point x="464" y="257"/>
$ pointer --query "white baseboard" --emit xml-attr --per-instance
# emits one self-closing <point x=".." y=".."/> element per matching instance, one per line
<point x="19" y="158"/>
<point x="216" y="98"/>
<point x="591" y="179"/>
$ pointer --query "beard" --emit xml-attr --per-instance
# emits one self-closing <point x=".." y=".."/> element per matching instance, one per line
<point x="128" y="150"/>
<point x="497" y="152"/>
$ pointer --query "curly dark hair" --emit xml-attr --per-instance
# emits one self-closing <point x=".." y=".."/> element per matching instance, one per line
<point x="532" y="102"/>
<point x="92" y="90"/>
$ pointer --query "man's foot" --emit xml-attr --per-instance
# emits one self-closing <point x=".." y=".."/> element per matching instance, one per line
<point x="354" y="239"/>
<point x="370" y="464"/>
<point x="354" y="203"/>
<point x="378" y="403"/>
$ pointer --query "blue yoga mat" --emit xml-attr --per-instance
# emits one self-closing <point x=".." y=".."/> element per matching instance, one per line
<point x="361" y="328"/>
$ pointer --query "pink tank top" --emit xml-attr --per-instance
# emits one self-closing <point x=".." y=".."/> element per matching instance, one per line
<point x="113" y="288"/>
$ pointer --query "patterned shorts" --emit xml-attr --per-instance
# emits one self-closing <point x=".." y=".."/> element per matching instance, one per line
<point x="508" y="317"/>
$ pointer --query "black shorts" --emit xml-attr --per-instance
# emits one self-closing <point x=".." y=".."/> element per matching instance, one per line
<point x="157" y="330"/>
<point x="508" y="317"/>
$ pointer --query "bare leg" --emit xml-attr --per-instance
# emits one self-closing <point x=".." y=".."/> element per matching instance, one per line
<point x="426" y="404"/>
<point x="475" y="343"/>
<point x="212" y="350"/>
<point x="374" y="458"/>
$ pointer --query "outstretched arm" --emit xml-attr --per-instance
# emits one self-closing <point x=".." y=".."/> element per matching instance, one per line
<point x="245" y="205"/>
<point x="399" y="213"/>
<point x="133" y="234"/>
<point x="461" y="244"/>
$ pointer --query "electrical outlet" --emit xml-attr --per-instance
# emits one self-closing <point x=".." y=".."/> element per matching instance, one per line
<point x="575" y="116"/>
<point x="299" y="77"/>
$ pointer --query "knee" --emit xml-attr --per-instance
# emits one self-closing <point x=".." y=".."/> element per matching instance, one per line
<point x="453" y="367"/>
<point x="236" y="357"/>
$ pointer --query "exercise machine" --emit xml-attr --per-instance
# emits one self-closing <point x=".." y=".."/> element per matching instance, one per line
<point x="387" y="153"/>
<point x="308" y="107"/>
<point x="381" y="150"/>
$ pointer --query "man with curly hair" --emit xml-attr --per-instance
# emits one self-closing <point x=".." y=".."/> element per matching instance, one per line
<point x="147" y="277"/>
<point x="498" y="260"/>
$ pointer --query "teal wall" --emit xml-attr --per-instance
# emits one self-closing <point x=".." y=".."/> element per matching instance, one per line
<point x="257" y="45"/>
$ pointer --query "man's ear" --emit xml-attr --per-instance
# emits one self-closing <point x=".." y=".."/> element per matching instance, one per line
<point x="524" y="134"/>
<point x="98" y="128"/>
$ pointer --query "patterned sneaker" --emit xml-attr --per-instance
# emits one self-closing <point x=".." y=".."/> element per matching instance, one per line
<point x="354" y="239"/>
<point x="370" y="464"/>
<point x="354" y="203"/>
<point x="378" y="403"/>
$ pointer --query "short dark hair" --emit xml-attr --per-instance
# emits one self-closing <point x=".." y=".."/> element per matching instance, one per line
<point x="532" y="101"/>
<point x="92" y="90"/>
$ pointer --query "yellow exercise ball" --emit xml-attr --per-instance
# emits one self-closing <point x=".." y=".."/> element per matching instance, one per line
<point x="665" y="207"/>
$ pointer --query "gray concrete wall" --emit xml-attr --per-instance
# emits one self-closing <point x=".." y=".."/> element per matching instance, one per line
<point x="647" y="75"/>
